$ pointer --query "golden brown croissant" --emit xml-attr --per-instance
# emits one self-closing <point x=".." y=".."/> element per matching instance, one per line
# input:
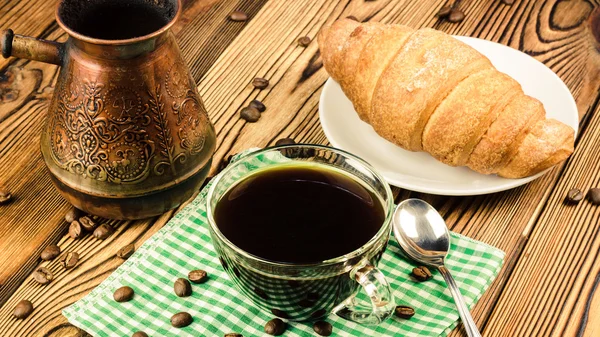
<point x="427" y="91"/>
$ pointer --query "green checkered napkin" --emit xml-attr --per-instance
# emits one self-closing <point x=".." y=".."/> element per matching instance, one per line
<point x="218" y="307"/>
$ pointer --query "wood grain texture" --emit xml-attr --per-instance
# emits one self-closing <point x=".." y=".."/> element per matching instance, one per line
<point x="225" y="56"/>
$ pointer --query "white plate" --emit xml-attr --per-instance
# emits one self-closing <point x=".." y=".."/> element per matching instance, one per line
<point x="418" y="171"/>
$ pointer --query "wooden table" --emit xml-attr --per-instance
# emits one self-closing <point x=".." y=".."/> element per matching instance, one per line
<point x="548" y="286"/>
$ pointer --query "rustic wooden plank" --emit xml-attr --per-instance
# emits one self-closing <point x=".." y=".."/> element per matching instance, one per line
<point x="34" y="219"/>
<point x="267" y="48"/>
<point x="553" y="289"/>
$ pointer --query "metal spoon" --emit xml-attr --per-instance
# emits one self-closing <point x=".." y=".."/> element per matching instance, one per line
<point x="424" y="237"/>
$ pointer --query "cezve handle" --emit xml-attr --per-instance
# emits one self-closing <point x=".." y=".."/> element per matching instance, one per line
<point x="30" y="48"/>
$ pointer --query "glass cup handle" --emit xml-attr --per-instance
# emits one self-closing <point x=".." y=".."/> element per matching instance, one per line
<point x="382" y="300"/>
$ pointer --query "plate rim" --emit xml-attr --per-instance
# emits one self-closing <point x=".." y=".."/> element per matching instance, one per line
<point x="510" y="183"/>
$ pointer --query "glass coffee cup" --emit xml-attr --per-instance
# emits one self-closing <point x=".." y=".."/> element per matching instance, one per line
<point x="348" y="284"/>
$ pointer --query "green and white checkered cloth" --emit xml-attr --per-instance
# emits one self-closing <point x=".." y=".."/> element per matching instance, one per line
<point x="218" y="307"/>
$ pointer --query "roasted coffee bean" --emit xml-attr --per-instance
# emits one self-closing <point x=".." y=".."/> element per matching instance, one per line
<point x="5" y="197"/>
<point x="260" y="83"/>
<point x="280" y="313"/>
<point x="50" y="253"/>
<point x="224" y="162"/>
<point x="103" y="232"/>
<point x="323" y="328"/>
<point x="182" y="287"/>
<point x="319" y="313"/>
<point x="444" y="11"/>
<point x="75" y="230"/>
<point x="233" y="334"/>
<point x="508" y="2"/>
<point x="181" y="319"/>
<point x="594" y="196"/>
<point x="69" y="260"/>
<point x="405" y="312"/>
<point x="250" y="114"/>
<point x="574" y="195"/>
<point x="140" y="334"/>
<point x="285" y="141"/>
<point x="126" y="251"/>
<point x="72" y="215"/>
<point x="197" y="276"/>
<point x="421" y="273"/>
<point x="87" y="223"/>
<point x="456" y="15"/>
<point x="258" y="105"/>
<point x="23" y="309"/>
<point x="275" y="327"/>
<point x="261" y="293"/>
<point x="43" y="275"/>
<point x="123" y="294"/>
<point x="304" y="41"/>
<point x="238" y="16"/>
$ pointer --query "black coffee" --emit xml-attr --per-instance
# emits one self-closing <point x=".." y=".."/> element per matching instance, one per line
<point x="299" y="214"/>
<point x="119" y="20"/>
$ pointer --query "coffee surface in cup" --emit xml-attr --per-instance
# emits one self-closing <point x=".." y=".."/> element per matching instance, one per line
<point x="299" y="214"/>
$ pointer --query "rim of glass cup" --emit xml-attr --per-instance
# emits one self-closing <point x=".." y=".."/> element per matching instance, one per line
<point x="382" y="231"/>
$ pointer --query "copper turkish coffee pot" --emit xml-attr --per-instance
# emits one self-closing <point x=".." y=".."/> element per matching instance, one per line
<point x="127" y="135"/>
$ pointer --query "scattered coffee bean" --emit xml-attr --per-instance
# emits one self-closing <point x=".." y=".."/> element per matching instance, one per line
<point x="23" y="309"/>
<point x="285" y="141"/>
<point x="43" y="275"/>
<point x="75" y="230"/>
<point x="261" y="293"/>
<point x="594" y="196"/>
<point x="72" y="215"/>
<point x="140" y="334"/>
<point x="250" y="114"/>
<point x="70" y="260"/>
<point x="50" y="253"/>
<point x="275" y="327"/>
<point x="197" y="276"/>
<point x="126" y="251"/>
<point x="280" y="313"/>
<point x="323" y="328"/>
<point x="258" y="105"/>
<point x="405" y="312"/>
<point x="224" y="162"/>
<point x="421" y="273"/>
<point x="319" y="313"/>
<point x="456" y="15"/>
<point x="123" y="294"/>
<point x="238" y="16"/>
<point x="233" y="334"/>
<point x="574" y="195"/>
<point x="5" y="197"/>
<point x="444" y="11"/>
<point x="260" y="83"/>
<point x="304" y="41"/>
<point x="508" y="2"/>
<point x="182" y="287"/>
<point x="87" y="223"/>
<point x="103" y="232"/>
<point x="181" y="319"/>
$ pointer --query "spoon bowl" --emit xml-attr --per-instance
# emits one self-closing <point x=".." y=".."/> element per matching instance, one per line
<point x="421" y="232"/>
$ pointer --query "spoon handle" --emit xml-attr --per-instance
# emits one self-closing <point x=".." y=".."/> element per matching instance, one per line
<point x="463" y="311"/>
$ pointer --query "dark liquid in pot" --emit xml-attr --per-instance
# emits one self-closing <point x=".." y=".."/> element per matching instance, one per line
<point x="119" y="20"/>
<point x="299" y="214"/>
